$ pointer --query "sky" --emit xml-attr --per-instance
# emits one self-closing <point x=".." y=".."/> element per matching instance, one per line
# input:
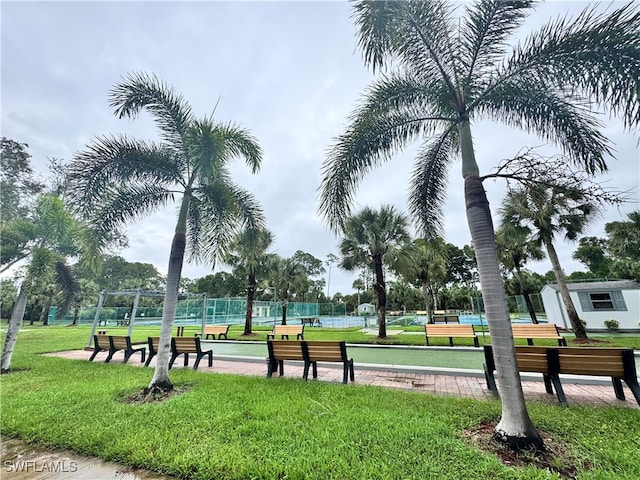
<point x="290" y="72"/>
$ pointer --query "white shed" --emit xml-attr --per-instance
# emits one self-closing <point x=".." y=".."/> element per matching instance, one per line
<point x="596" y="302"/>
<point x="365" y="309"/>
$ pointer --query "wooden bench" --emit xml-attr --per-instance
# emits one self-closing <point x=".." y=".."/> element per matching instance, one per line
<point x="113" y="344"/>
<point x="327" y="351"/>
<point x="309" y="353"/>
<point x="213" y="330"/>
<point x="617" y="363"/>
<point x="122" y="323"/>
<point x="539" y="330"/>
<point x="449" y="318"/>
<point x="529" y="359"/>
<point x="281" y="350"/>
<point x="185" y="346"/>
<point x="286" y="330"/>
<point x="451" y="331"/>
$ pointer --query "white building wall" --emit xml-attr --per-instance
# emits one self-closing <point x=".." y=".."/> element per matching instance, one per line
<point x="556" y="313"/>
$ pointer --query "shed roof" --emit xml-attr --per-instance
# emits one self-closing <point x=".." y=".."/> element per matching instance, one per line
<point x="599" y="285"/>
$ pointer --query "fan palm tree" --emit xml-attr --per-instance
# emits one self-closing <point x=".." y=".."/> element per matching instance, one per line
<point x="543" y="213"/>
<point x="514" y="249"/>
<point x="374" y="239"/>
<point x="248" y="258"/>
<point x="117" y="179"/>
<point x="447" y="70"/>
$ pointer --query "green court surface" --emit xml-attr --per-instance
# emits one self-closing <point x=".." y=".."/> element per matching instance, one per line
<point x="442" y="357"/>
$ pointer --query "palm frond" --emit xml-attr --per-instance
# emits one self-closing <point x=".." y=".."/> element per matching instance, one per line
<point x="122" y="203"/>
<point x="553" y="115"/>
<point x="428" y="187"/>
<point x="371" y="139"/>
<point x="595" y="55"/>
<point x="240" y="143"/>
<point x="143" y="91"/>
<point x="485" y="34"/>
<point x="117" y="160"/>
<point x="69" y="287"/>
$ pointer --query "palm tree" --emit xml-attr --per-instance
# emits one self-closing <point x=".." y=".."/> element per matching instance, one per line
<point x="446" y="71"/>
<point x="248" y="258"/>
<point x="514" y="249"/>
<point x="543" y="213"/>
<point x="428" y="268"/>
<point x="286" y="275"/>
<point x="117" y="179"/>
<point x="374" y="239"/>
<point x="55" y="235"/>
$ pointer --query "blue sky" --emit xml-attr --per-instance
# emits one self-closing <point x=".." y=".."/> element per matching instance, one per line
<point x="288" y="71"/>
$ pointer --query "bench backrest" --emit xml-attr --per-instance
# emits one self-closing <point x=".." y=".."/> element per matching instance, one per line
<point x="528" y="358"/>
<point x="446" y="318"/>
<point x="120" y="342"/>
<point x="288" y="329"/>
<point x="540" y="330"/>
<point x="102" y="341"/>
<point x="216" y="329"/>
<point x="185" y="344"/>
<point x="432" y="330"/>
<point x="328" y="351"/>
<point x="592" y="361"/>
<point x="285" y="349"/>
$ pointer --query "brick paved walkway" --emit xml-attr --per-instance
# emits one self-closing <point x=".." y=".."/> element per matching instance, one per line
<point x="462" y="383"/>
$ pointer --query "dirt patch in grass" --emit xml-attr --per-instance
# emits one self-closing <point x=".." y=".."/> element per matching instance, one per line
<point x="142" y="397"/>
<point x="555" y="458"/>
<point x="588" y="341"/>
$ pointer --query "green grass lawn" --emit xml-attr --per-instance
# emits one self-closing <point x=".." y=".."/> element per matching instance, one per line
<point x="235" y="427"/>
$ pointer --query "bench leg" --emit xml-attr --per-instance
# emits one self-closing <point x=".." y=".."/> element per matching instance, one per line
<point x="491" y="381"/>
<point x="314" y="368"/>
<point x="555" y="379"/>
<point x="281" y="367"/>
<point x="529" y="341"/>
<point x="305" y="372"/>
<point x="547" y="383"/>
<point x="632" y="383"/>
<point x="186" y="359"/>
<point x="427" y="341"/>
<point x="110" y="356"/>
<point x="95" y="352"/>
<point x="451" y="341"/>
<point x="475" y="342"/>
<point x="617" y="387"/>
<point x="352" y="376"/>
<point x="173" y="359"/>
<point x="271" y="367"/>
<point x="151" y="355"/>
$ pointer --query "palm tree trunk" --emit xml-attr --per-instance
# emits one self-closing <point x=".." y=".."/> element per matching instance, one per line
<point x="12" y="331"/>
<point x="284" y="303"/>
<point x="576" y="324"/>
<point x="251" y="292"/>
<point x="515" y="427"/>
<point x="381" y="292"/>
<point x="527" y="299"/>
<point x="428" y="302"/>
<point x="160" y="381"/>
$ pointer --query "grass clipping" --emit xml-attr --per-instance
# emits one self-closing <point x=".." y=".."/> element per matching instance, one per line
<point x="554" y="459"/>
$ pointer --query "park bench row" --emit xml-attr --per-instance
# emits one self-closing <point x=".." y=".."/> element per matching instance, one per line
<point x="527" y="331"/>
<point x="309" y="352"/>
<point x="551" y="362"/>
<point x="179" y="346"/>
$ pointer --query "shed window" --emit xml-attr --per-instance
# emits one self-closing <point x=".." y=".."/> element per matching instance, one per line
<point x="611" y="300"/>
<point x="601" y="301"/>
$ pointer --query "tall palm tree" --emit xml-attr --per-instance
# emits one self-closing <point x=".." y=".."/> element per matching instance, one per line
<point x="514" y="249"/>
<point x="117" y="179"/>
<point x="446" y="71"/>
<point x="374" y="239"/>
<point x="286" y="276"/>
<point x="248" y="258"/>
<point x="543" y="213"/>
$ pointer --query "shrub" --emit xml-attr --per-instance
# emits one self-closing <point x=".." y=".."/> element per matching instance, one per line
<point x="612" y="324"/>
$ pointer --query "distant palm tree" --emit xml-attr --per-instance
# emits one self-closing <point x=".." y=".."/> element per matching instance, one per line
<point x="514" y="249"/>
<point x="445" y="71"/>
<point x="286" y="275"/>
<point x="118" y="179"/>
<point x="248" y="257"/>
<point x="544" y="213"/>
<point x="427" y="269"/>
<point x="374" y="238"/>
